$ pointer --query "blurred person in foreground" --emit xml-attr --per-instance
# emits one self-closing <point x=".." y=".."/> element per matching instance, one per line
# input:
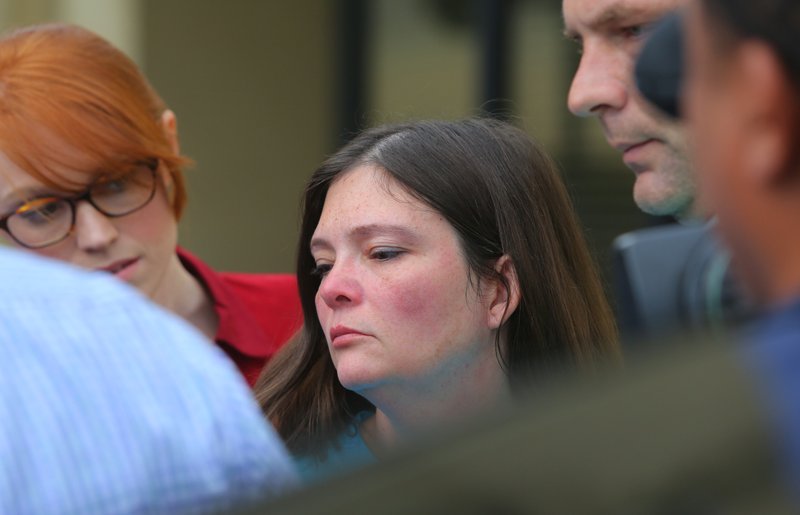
<point x="703" y="429"/>
<point x="741" y="100"/>
<point x="609" y="34"/>
<point x="110" y="405"/>
<point x="91" y="173"/>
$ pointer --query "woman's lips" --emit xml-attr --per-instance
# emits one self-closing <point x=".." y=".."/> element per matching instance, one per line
<point x="122" y="269"/>
<point x="342" y="335"/>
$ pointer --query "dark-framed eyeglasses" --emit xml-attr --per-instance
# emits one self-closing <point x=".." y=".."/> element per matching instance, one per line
<point x="44" y="221"/>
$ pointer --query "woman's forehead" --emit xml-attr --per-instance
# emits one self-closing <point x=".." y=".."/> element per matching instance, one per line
<point x="54" y="161"/>
<point x="366" y="201"/>
<point x="41" y="176"/>
<point x="371" y="187"/>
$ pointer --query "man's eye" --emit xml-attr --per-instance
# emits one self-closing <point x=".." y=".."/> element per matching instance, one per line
<point x="633" y="31"/>
<point x="578" y="42"/>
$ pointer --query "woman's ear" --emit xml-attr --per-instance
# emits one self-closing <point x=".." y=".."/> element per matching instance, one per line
<point x="169" y="124"/>
<point x="504" y="298"/>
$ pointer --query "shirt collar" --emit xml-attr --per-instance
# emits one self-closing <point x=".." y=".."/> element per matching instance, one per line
<point x="237" y="327"/>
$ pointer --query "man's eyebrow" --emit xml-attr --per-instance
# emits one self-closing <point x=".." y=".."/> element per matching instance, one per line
<point x="614" y="16"/>
<point x="623" y="14"/>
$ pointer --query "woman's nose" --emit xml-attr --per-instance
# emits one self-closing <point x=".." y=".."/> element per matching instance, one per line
<point x="93" y="230"/>
<point x="341" y="286"/>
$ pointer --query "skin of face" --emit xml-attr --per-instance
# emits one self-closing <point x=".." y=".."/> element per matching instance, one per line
<point x="404" y="324"/>
<point x="609" y="34"/>
<point x="712" y="125"/>
<point x="740" y="109"/>
<point x="139" y="248"/>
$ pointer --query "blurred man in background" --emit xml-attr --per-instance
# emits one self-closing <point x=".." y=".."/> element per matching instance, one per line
<point x="609" y="34"/>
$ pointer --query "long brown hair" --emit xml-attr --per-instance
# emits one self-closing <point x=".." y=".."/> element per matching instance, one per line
<point x="503" y="196"/>
<point x="62" y="83"/>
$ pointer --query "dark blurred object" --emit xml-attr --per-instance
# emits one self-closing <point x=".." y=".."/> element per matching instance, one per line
<point x="659" y="67"/>
<point x="680" y="433"/>
<point x="353" y="44"/>
<point x="495" y="32"/>
<point x="674" y="278"/>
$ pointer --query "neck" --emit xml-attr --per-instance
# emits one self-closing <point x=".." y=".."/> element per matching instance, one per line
<point x="766" y="245"/>
<point x="695" y="213"/>
<point x="182" y="294"/>
<point x="406" y="411"/>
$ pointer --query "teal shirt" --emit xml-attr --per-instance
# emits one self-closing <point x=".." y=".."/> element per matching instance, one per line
<point x="352" y="452"/>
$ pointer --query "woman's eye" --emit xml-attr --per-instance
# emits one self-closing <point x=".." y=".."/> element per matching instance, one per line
<point x="113" y="187"/>
<point x="321" y="270"/>
<point x="41" y="211"/>
<point x="385" y="254"/>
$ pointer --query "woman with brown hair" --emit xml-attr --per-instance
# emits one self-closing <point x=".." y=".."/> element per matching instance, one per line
<point x="91" y="174"/>
<point x="441" y="267"/>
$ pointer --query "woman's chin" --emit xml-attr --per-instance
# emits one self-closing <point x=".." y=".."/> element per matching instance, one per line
<point x="357" y="380"/>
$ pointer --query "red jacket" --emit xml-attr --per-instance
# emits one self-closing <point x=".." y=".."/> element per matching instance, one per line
<point x="257" y="313"/>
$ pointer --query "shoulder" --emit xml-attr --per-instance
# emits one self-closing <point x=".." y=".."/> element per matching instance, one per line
<point x="93" y="374"/>
<point x="258" y="291"/>
<point x="348" y="452"/>
<point x="770" y="343"/>
<point x="272" y="299"/>
<point x="271" y="285"/>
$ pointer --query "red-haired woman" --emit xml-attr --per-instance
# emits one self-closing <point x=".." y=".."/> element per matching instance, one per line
<point x="91" y="173"/>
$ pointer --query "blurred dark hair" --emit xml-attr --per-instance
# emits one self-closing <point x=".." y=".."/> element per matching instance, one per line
<point x="775" y="21"/>
<point x="503" y="196"/>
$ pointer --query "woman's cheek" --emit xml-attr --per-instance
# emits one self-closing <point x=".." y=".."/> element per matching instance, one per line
<point x="417" y="303"/>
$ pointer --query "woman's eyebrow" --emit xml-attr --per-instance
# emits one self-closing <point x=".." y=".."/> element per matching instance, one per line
<point x="368" y="230"/>
<point x="363" y="232"/>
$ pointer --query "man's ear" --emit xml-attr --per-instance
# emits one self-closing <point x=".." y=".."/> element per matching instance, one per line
<point x="769" y="106"/>
<point x="169" y="124"/>
<point x="503" y="298"/>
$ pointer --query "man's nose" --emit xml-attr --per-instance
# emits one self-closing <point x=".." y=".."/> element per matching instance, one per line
<point x="598" y="85"/>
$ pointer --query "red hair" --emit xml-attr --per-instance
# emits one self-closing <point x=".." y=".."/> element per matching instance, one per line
<point x="63" y="84"/>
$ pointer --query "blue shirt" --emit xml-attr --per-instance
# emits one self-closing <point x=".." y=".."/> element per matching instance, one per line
<point x="110" y="405"/>
<point x="348" y="453"/>
<point x="773" y="352"/>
